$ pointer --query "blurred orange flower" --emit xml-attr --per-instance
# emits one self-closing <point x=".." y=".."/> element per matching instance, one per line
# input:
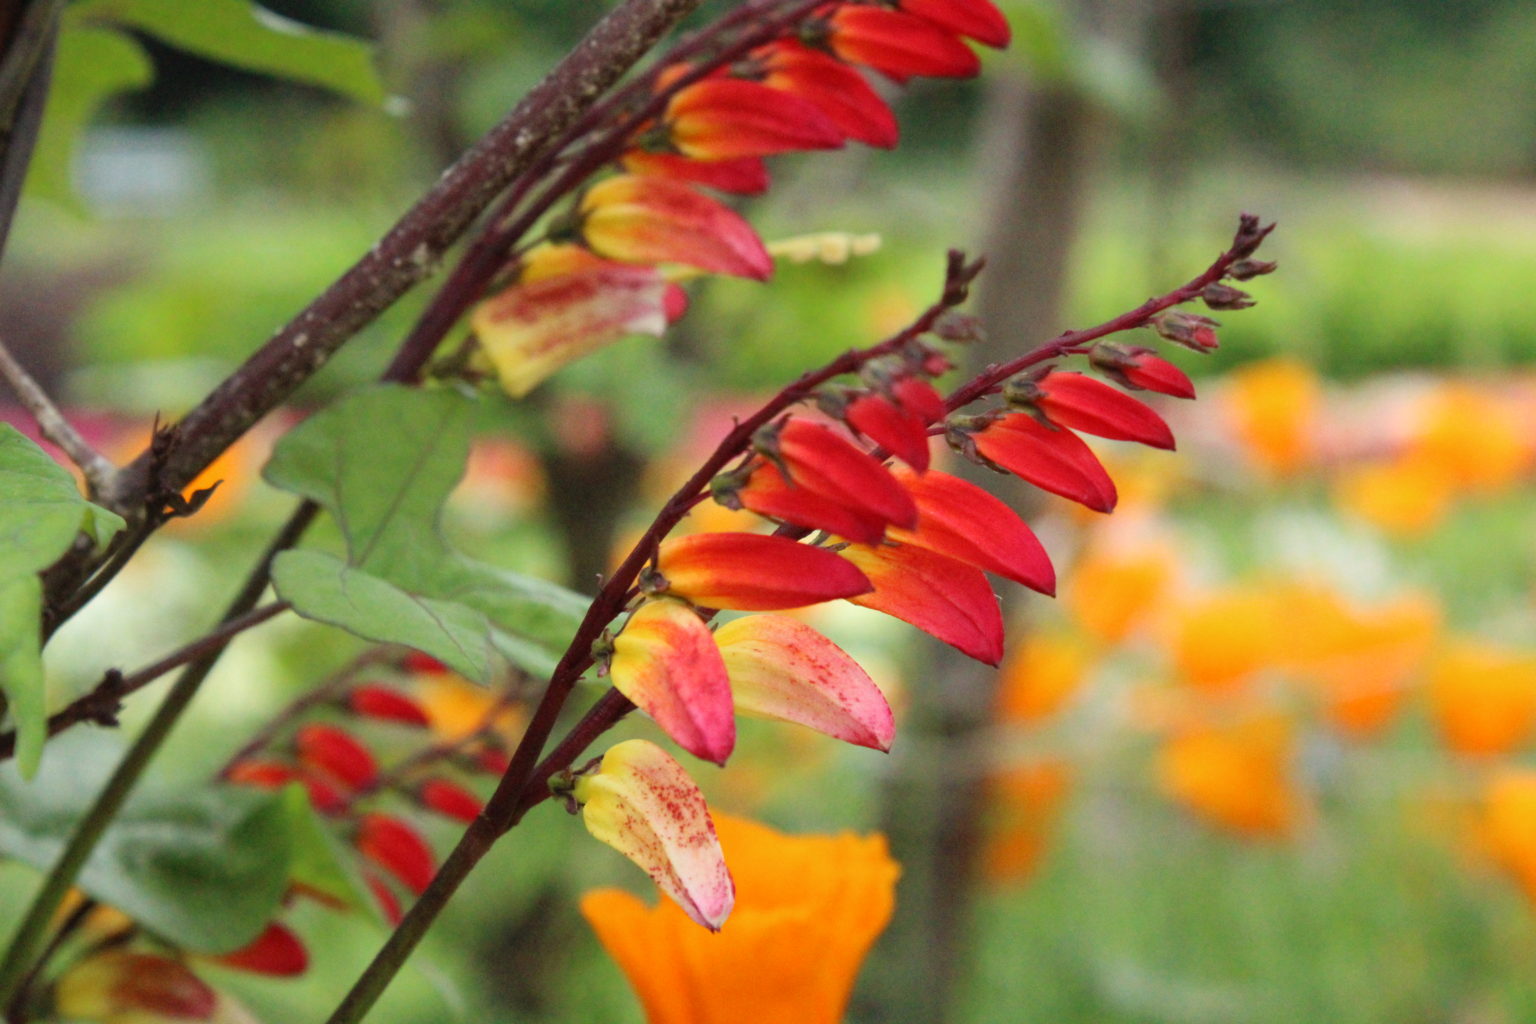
<point x="1273" y="407"/>
<point x="1509" y="825"/>
<point x="1406" y="497"/>
<point x="1110" y="593"/>
<point x="1045" y="672"/>
<point x="1025" y="803"/>
<point x="1235" y="775"/>
<point x="1218" y="641"/>
<point x="1474" y="436"/>
<point x="1483" y="697"/>
<point x="808" y="908"/>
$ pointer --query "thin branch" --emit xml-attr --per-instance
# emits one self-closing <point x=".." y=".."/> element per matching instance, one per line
<point x="26" y="72"/>
<point x="52" y="424"/>
<point x="409" y="252"/>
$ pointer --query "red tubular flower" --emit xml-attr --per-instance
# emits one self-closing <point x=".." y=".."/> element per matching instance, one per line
<point x="890" y="426"/>
<point x="750" y="572"/>
<point x="373" y="701"/>
<point x="1141" y="368"/>
<point x="959" y="519"/>
<point x="920" y="398"/>
<point x="261" y="774"/>
<point x="492" y="761"/>
<point x="941" y="596"/>
<point x="1053" y="460"/>
<point x="276" y="952"/>
<point x="767" y="493"/>
<point x="398" y="849"/>
<point x="744" y="176"/>
<point x="323" y="796"/>
<point x="898" y="45"/>
<point x="449" y="799"/>
<point x="645" y="219"/>
<point x="724" y="118"/>
<point x="336" y="754"/>
<point x="839" y="91"/>
<point x="820" y="459"/>
<point x="389" y="903"/>
<point x="1082" y="403"/>
<point x="974" y="19"/>
<point x="416" y="661"/>
<point x="666" y="661"/>
<point x="781" y="668"/>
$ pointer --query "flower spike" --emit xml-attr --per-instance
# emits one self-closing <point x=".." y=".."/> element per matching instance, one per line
<point x="535" y="327"/>
<point x="276" y="952"/>
<point x="666" y="661"/>
<point x="1053" y="460"/>
<point x="783" y="669"/>
<point x="959" y="519"/>
<point x="839" y="91"/>
<point x="743" y="176"/>
<point x="644" y="219"/>
<point x="398" y="849"/>
<point x="974" y="19"/>
<point x="767" y="493"/>
<point x="726" y="118"/>
<point x="890" y="426"/>
<point x="754" y="573"/>
<point x="941" y="596"/>
<point x="642" y="803"/>
<point x="823" y="461"/>
<point x="899" y="46"/>
<point x="336" y="754"/>
<point x="1082" y="403"/>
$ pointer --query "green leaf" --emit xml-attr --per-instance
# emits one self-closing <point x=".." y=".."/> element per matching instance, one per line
<point x="324" y="588"/>
<point x="205" y="868"/>
<point x="42" y="507"/>
<point x="249" y="36"/>
<point x="90" y="66"/>
<point x="40" y="513"/>
<point x="383" y="461"/>
<point x="320" y="863"/>
<point x="21" y="668"/>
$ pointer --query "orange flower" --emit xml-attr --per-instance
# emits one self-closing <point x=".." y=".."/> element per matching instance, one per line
<point x="1509" y="825"/>
<point x="1476" y="438"/>
<point x="1236" y="776"/>
<point x="1025" y="804"/>
<point x="1273" y="406"/>
<point x="808" y="908"/>
<point x="1111" y="592"/>
<point x="1404" y="498"/>
<point x="644" y="219"/>
<point x="1483" y="697"/>
<point x="1045" y="672"/>
<point x="1218" y="642"/>
<point x="943" y="597"/>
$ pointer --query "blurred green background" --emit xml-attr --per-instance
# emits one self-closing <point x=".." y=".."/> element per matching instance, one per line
<point x="1102" y="159"/>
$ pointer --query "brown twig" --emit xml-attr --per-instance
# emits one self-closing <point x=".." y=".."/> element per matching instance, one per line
<point x="409" y="252"/>
<point x="104" y="700"/>
<point x="52" y="424"/>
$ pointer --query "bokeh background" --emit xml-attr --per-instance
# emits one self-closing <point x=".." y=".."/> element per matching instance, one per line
<point x="1263" y="759"/>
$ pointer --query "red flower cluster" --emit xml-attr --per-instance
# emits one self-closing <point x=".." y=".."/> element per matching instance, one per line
<point x="339" y="770"/>
<point x="608" y="272"/>
<point x="906" y="540"/>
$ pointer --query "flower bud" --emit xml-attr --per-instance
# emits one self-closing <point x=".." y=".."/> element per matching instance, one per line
<point x="337" y="754"/>
<point x="1245" y="270"/>
<point x="1224" y="296"/>
<point x="642" y="803"/>
<point x="1191" y="330"/>
<point x="1139" y="368"/>
<point x="373" y="701"/>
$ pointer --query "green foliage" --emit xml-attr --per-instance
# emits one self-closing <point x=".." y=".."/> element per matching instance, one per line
<point x="204" y="867"/>
<point x="39" y="519"/>
<point x="246" y="35"/>
<point x="91" y="66"/>
<point x="96" y="61"/>
<point x="383" y="461"/>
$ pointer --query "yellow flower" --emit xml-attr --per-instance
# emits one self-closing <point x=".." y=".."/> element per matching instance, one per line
<point x="808" y="908"/>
